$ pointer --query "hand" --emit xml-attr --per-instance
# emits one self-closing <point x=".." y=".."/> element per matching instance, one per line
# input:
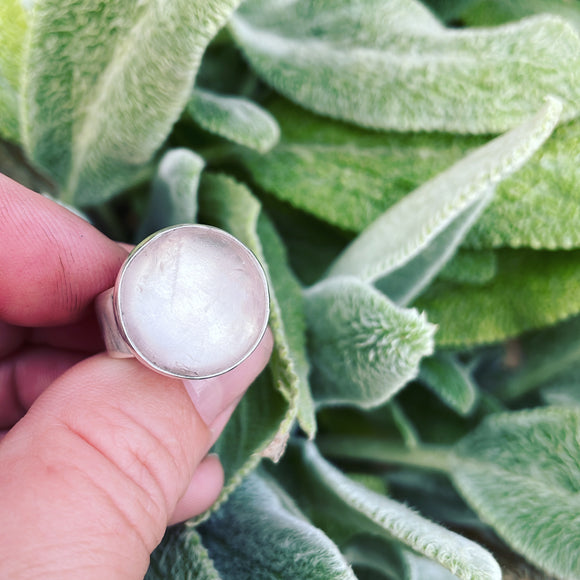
<point x="99" y="455"/>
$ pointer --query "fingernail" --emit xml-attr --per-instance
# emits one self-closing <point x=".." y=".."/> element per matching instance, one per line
<point x="214" y="395"/>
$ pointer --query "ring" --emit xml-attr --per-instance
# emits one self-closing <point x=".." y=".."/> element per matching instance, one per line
<point x="190" y="302"/>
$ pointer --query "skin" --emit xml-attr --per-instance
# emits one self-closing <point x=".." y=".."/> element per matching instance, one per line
<point x="98" y="455"/>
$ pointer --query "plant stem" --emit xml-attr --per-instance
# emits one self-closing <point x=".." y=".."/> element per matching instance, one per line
<point x="428" y="457"/>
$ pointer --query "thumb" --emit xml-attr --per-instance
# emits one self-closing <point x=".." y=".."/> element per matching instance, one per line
<point x="92" y="474"/>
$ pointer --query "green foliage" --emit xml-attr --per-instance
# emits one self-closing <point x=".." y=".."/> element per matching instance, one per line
<point x="344" y="508"/>
<point x="13" y="29"/>
<point x="173" y="197"/>
<point x="389" y="188"/>
<point x="100" y="97"/>
<point x="376" y="75"/>
<point x="519" y="471"/>
<point x="364" y="348"/>
<point x="234" y="118"/>
<point x="448" y="379"/>
<point x="532" y="289"/>
<point x="259" y="532"/>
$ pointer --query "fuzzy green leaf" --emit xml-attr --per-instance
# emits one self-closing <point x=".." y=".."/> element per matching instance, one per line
<point x="259" y="533"/>
<point x="230" y="205"/>
<point x="450" y="381"/>
<point x="407" y="229"/>
<point x="174" y="191"/>
<point x="348" y="177"/>
<point x="470" y="267"/>
<point x="539" y="206"/>
<point x="336" y="503"/>
<point x="393" y="65"/>
<point x="181" y="556"/>
<point x="494" y="12"/>
<point x="520" y="472"/>
<point x="234" y="118"/>
<point x="532" y="289"/>
<point x="345" y="175"/>
<point x="13" y="30"/>
<point x="363" y="347"/>
<point x="105" y="82"/>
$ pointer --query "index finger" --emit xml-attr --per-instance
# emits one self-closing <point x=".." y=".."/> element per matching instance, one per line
<point x="52" y="262"/>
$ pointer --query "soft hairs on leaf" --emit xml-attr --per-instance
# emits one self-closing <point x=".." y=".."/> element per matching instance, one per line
<point x="234" y="118"/>
<point x="364" y="348"/>
<point x="521" y="473"/>
<point x="362" y="510"/>
<point x="407" y="228"/>
<point x="392" y="65"/>
<point x="99" y="100"/>
<point x="259" y="533"/>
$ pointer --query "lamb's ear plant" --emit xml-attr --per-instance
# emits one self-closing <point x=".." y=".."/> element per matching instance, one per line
<point x="408" y="175"/>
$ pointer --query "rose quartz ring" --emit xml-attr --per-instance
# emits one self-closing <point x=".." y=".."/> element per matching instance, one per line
<point x="190" y="302"/>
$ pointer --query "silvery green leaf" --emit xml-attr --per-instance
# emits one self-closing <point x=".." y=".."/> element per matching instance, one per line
<point x="520" y="472"/>
<point x="259" y="533"/>
<point x="494" y="12"/>
<point x="234" y="118"/>
<point x="450" y="381"/>
<point x="13" y="30"/>
<point x="539" y="206"/>
<point x="231" y="205"/>
<point x="532" y="289"/>
<point x="407" y="228"/>
<point x="363" y="347"/>
<point x="173" y="198"/>
<point x="404" y="284"/>
<point x="470" y="267"/>
<point x="181" y="556"/>
<point x="330" y="499"/>
<point x="98" y="103"/>
<point x="346" y="175"/>
<point x="393" y="65"/>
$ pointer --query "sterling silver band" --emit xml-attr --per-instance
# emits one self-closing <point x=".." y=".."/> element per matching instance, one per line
<point x="190" y="302"/>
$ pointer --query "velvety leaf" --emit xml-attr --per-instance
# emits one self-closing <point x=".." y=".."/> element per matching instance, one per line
<point x="174" y="191"/>
<point x="234" y="118"/>
<point x="393" y="65"/>
<point x="181" y="556"/>
<point x="259" y="533"/>
<point x="348" y="177"/>
<point x="363" y="347"/>
<point x="333" y="501"/>
<point x="345" y="175"/>
<point x="539" y="206"/>
<point x="520" y="472"/>
<point x="494" y="12"/>
<point x="407" y="228"/>
<point x="470" y="267"/>
<point x="450" y="381"/>
<point x="13" y="30"/>
<point x="230" y="205"/>
<point x="532" y="289"/>
<point x="105" y="82"/>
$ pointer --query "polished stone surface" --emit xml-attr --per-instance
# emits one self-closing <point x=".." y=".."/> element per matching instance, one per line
<point x="192" y="301"/>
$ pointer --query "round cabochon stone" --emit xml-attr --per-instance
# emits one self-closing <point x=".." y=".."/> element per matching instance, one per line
<point x="192" y="301"/>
